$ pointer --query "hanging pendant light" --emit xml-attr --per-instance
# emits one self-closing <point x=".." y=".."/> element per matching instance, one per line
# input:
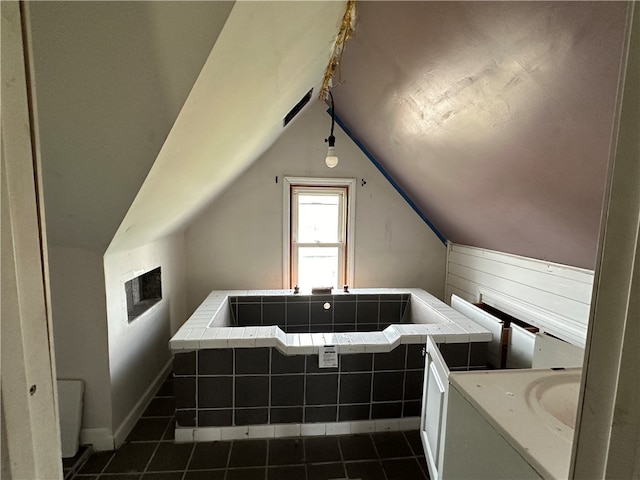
<point x="332" y="159"/>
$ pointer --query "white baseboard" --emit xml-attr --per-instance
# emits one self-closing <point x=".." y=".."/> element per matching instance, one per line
<point x="213" y="434"/>
<point x="129" y="422"/>
<point x="101" y="439"/>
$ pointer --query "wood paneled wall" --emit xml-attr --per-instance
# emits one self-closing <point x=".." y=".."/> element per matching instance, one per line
<point x="555" y="298"/>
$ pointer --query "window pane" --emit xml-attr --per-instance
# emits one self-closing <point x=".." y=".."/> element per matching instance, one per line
<point x="318" y="218"/>
<point x="317" y="267"/>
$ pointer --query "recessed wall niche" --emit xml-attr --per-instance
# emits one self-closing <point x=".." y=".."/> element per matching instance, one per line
<point x="143" y="292"/>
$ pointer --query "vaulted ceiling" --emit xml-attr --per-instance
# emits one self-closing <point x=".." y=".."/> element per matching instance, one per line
<point x="495" y="118"/>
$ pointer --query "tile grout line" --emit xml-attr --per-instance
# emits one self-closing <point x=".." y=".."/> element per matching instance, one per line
<point x="375" y="447"/>
<point x="149" y="461"/>
<point x="344" y="465"/>
<point x="269" y="376"/>
<point x="107" y="464"/>
<point x="266" y="461"/>
<point x="186" y="468"/>
<point x="226" y="466"/>
<point x="404" y="379"/>
<point x="197" y="392"/>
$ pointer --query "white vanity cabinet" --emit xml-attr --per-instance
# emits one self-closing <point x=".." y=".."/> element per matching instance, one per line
<point x="459" y="443"/>
<point x="434" y="408"/>
<point x="473" y="449"/>
<point x="496" y="424"/>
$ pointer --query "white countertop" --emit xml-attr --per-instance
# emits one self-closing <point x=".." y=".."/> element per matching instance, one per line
<point x="434" y="317"/>
<point x="505" y="399"/>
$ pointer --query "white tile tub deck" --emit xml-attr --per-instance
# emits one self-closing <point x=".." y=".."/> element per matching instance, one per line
<point x="430" y="317"/>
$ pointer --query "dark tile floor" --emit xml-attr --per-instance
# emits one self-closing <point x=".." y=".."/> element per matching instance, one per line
<point x="150" y="454"/>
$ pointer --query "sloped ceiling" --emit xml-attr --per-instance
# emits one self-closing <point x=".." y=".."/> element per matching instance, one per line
<point x="266" y="58"/>
<point x="110" y="79"/>
<point x="495" y="118"/>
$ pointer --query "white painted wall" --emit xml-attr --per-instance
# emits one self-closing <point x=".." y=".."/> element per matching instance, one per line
<point x="236" y="243"/>
<point x="118" y="362"/>
<point x="556" y="298"/>
<point x="108" y="80"/>
<point x="139" y="351"/>
<point x="80" y="331"/>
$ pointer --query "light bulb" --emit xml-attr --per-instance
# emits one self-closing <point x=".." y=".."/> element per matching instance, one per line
<point x="332" y="159"/>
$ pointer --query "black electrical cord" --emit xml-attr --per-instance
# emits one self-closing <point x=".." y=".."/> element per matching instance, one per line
<point x="331" y="139"/>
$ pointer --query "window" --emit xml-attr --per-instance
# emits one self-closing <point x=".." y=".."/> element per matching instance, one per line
<point x="319" y="252"/>
<point x="142" y="293"/>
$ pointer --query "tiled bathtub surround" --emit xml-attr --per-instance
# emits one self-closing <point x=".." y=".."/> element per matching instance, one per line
<point x="263" y="380"/>
<point x="235" y="387"/>
<point x="321" y="313"/>
<point x="150" y="453"/>
<point x="211" y="326"/>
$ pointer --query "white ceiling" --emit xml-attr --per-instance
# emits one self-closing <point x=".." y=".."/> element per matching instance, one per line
<point x="266" y="58"/>
<point x="495" y="118"/>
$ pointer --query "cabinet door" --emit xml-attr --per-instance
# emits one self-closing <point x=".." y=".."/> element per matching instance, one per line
<point x="550" y="352"/>
<point x="488" y="321"/>
<point x="434" y="408"/>
<point x="520" y="347"/>
<point x="479" y="451"/>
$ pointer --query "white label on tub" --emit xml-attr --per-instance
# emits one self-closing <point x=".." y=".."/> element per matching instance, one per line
<point x="328" y="357"/>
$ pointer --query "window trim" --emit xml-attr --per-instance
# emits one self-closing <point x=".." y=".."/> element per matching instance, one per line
<point x="350" y="184"/>
<point x="343" y="193"/>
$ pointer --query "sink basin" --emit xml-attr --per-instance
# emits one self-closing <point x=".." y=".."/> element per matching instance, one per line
<point x="533" y="409"/>
<point x="555" y="400"/>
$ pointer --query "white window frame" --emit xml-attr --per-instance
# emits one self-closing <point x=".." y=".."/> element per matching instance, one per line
<point x="350" y="185"/>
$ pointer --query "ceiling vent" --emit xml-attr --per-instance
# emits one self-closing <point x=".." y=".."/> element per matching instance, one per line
<point x="296" y="109"/>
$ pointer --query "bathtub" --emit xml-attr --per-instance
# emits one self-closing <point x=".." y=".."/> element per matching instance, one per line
<point x="271" y="363"/>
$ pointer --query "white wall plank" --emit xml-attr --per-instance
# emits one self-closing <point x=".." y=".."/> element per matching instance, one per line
<point x="547" y="281"/>
<point x="556" y="269"/>
<point x="556" y="298"/>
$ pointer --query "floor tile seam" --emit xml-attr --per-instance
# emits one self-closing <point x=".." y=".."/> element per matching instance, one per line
<point x="186" y="468"/>
<point x="150" y="441"/>
<point x="364" y="460"/>
<point x="341" y="455"/>
<point x="207" y="469"/>
<point x="328" y="462"/>
<point x="244" y="467"/>
<point x="113" y="454"/>
<point x="375" y="448"/>
<point x="105" y="476"/>
<point x="169" y="470"/>
<point x="417" y="454"/>
<point x="424" y="476"/>
<point x="226" y="465"/>
<point x="193" y="446"/>
<point x="266" y="460"/>
<point x="150" y="459"/>
<point x="406" y="457"/>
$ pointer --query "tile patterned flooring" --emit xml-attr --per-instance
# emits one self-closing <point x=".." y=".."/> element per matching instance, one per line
<point x="149" y="453"/>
